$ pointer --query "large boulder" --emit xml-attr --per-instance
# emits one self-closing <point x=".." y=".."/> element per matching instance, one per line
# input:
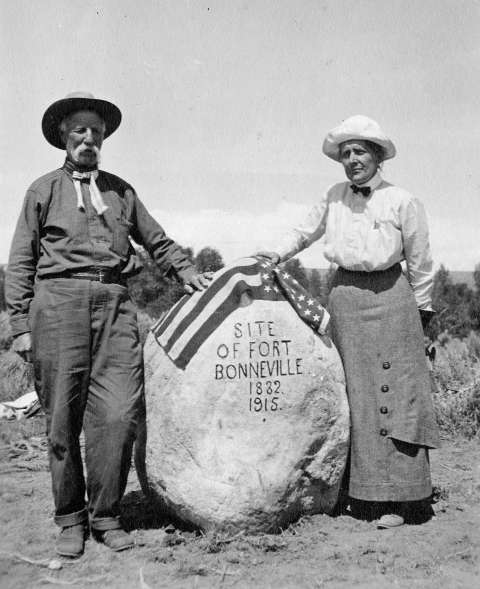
<point x="254" y="430"/>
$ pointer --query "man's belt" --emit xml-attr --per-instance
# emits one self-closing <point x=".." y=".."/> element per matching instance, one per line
<point x="103" y="275"/>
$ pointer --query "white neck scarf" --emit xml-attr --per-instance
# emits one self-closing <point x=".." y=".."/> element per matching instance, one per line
<point x="95" y="194"/>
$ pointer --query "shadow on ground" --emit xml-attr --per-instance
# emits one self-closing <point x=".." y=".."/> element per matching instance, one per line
<point x="141" y="512"/>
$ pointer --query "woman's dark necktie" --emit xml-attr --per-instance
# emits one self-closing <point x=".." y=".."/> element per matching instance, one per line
<point x="365" y="190"/>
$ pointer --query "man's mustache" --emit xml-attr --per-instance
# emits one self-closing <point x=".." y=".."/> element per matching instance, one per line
<point x="82" y="149"/>
<point x="93" y="148"/>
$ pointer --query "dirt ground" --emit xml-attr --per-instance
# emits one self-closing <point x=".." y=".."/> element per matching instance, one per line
<point x="316" y="552"/>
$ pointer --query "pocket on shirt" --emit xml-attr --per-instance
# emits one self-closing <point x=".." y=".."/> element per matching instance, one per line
<point x="382" y="243"/>
<point x="120" y="238"/>
<point x="382" y="223"/>
<point x="58" y="228"/>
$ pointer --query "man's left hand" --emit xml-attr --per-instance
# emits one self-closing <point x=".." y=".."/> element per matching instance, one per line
<point x="193" y="281"/>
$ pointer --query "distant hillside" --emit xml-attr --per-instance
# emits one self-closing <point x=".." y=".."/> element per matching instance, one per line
<point x="458" y="276"/>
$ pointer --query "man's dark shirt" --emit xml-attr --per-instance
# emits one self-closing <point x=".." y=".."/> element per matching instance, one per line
<point x="53" y="236"/>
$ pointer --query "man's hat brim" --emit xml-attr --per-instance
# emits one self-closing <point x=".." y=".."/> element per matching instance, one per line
<point x="55" y="114"/>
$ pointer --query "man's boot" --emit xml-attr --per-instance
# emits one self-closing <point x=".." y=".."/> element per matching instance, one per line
<point x="71" y="541"/>
<point x="116" y="539"/>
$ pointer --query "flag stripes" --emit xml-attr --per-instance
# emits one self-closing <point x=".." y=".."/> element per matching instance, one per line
<point x="194" y="318"/>
<point x="226" y="299"/>
<point x="205" y="325"/>
<point x="179" y="316"/>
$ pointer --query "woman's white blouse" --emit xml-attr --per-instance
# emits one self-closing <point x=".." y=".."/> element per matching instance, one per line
<point x="370" y="233"/>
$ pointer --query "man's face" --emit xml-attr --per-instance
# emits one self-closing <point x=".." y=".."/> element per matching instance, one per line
<point x="358" y="160"/>
<point x="83" y="133"/>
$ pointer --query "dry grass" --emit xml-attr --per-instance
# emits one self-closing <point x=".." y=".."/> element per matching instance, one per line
<point x="5" y="332"/>
<point x="457" y="379"/>
<point x="16" y="376"/>
<point x="316" y="551"/>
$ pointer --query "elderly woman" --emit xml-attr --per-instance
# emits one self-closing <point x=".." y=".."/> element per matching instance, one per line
<point x="370" y="226"/>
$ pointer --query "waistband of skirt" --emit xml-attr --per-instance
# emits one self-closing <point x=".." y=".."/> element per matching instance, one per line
<point x="395" y="269"/>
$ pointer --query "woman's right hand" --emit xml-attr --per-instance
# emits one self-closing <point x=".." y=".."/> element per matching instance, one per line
<point x="271" y="256"/>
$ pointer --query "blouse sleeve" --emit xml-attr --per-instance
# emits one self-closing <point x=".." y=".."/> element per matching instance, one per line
<point x="303" y="235"/>
<point x="416" y="247"/>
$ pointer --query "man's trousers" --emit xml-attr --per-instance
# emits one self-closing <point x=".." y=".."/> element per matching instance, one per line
<point x="88" y="372"/>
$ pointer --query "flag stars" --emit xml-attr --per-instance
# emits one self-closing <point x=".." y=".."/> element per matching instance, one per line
<point x="283" y="286"/>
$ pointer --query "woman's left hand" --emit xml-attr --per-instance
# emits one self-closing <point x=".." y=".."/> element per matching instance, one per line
<point x="426" y="317"/>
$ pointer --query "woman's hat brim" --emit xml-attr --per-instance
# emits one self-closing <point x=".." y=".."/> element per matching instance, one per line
<point x="357" y="127"/>
<point x="56" y="112"/>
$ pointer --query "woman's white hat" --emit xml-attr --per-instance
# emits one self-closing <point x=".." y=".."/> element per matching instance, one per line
<point x="357" y="127"/>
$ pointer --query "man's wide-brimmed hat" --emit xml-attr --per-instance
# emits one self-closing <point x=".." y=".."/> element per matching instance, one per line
<point x="357" y="127"/>
<point x="74" y="102"/>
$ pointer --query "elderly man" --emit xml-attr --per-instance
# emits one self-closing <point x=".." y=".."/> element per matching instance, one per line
<point x="68" y="301"/>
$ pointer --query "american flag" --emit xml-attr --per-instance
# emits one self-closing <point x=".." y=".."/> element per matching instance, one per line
<point x="183" y="329"/>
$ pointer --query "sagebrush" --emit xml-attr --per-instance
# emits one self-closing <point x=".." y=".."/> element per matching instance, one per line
<point x="457" y="385"/>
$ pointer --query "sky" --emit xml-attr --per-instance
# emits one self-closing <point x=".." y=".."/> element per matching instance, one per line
<point x="226" y="104"/>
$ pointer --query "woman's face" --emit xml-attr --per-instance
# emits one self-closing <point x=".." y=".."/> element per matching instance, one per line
<point x="359" y="161"/>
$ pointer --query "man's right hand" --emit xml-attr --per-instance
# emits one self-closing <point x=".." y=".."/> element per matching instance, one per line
<point x="272" y="256"/>
<point x="193" y="280"/>
<point x="22" y="344"/>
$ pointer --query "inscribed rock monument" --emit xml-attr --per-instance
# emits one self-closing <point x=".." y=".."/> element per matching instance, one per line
<point x="247" y="416"/>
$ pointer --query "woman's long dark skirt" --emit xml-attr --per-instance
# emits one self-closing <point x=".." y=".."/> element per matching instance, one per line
<point x="377" y="330"/>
